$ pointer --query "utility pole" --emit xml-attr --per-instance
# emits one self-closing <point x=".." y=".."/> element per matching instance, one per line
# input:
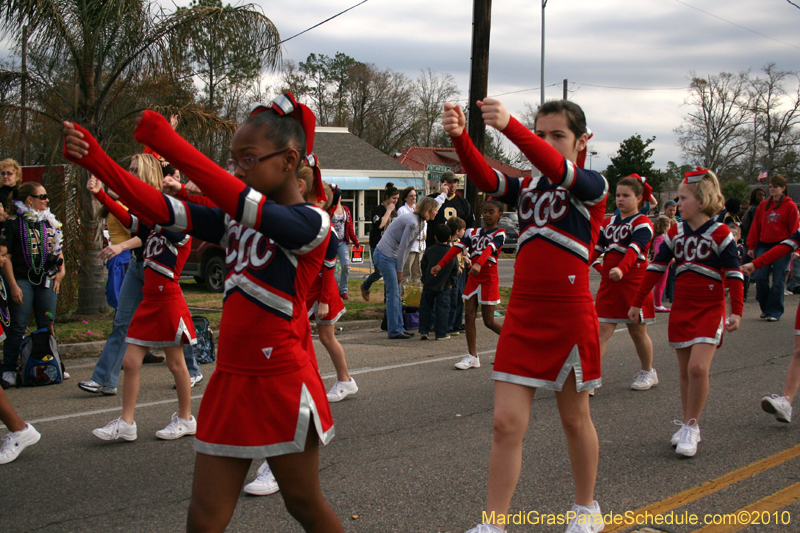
<point x="565" y="90"/>
<point x="478" y="84"/>
<point x="544" y="5"/>
<point x="24" y="97"/>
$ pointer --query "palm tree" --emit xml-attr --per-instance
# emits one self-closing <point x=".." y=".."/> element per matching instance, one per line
<point x="87" y="59"/>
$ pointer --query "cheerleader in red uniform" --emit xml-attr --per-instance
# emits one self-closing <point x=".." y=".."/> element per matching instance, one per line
<point x="625" y="241"/>
<point x="483" y="283"/>
<point x="781" y="406"/>
<point x="162" y="320"/>
<point x="706" y="260"/>
<point x="266" y="397"/>
<point x="549" y="337"/>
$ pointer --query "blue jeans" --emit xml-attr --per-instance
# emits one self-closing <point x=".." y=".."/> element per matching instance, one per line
<point x="344" y="259"/>
<point x="36" y="298"/>
<point x="394" y="307"/>
<point x="376" y="271"/>
<point x="106" y="370"/>
<point x="770" y="298"/>
<point x="457" y="302"/>
<point x="440" y="301"/>
<point x="116" y="266"/>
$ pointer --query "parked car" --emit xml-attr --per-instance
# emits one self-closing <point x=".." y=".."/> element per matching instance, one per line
<point x="512" y="232"/>
<point x="206" y="263"/>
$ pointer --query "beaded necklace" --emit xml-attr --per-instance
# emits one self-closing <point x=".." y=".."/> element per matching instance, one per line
<point x="25" y="230"/>
<point x="4" y="316"/>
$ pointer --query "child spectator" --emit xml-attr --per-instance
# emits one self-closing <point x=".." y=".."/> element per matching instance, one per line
<point x="456" y="322"/>
<point x="436" y="287"/>
<point x="662" y="224"/>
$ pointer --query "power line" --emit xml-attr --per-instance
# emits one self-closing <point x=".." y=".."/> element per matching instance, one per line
<point x="630" y="88"/>
<point x="323" y="22"/>
<point x="738" y="25"/>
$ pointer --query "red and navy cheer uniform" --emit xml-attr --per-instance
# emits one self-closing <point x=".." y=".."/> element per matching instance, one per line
<point x="266" y="390"/>
<point x="325" y="290"/>
<point x="625" y="243"/>
<point x="550" y="327"/>
<point x="483" y="248"/>
<point x="782" y="248"/>
<point x="706" y="261"/>
<point x="163" y="317"/>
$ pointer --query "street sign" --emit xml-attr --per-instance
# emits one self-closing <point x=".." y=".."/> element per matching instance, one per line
<point x="435" y="171"/>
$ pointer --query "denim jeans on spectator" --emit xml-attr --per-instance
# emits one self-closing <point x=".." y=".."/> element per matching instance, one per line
<point x="344" y="260"/>
<point x="36" y="298"/>
<point x="770" y="298"/>
<point x="108" y="366"/>
<point x="394" y="308"/>
<point x="457" y="302"/>
<point x="794" y="281"/>
<point x="376" y="271"/>
<point x="440" y="301"/>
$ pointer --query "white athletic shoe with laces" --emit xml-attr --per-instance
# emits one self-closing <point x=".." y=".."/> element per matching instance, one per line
<point x="341" y="390"/>
<point x="778" y="406"/>
<point x="116" y="429"/>
<point x="469" y="361"/>
<point x="486" y="528"/>
<point x="687" y="445"/>
<point x="586" y="519"/>
<point x="676" y="437"/>
<point x="645" y="379"/>
<point x="177" y="428"/>
<point x="16" y="441"/>
<point x="264" y="483"/>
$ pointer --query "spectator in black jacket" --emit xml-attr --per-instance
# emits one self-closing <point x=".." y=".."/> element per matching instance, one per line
<point x="453" y="206"/>
<point x="436" y="288"/>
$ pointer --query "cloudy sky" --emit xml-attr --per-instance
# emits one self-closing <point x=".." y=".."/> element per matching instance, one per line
<point x="627" y="61"/>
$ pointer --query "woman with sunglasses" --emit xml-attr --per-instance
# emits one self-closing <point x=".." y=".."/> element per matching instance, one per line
<point x="34" y="269"/>
<point x="10" y="178"/>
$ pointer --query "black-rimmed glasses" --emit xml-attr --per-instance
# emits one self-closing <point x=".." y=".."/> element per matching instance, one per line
<point x="248" y="162"/>
<point x="40" y="196"/>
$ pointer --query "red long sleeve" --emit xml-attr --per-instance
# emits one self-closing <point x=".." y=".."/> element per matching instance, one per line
<point x="481" y="260"/>
<point x="777" y="251"/>
<point x="217" y="184"/>
<point x="328" y="283"/>
<point x="543" y="156"/>
<point x="451" y="254"/>
<point x="137" y="195"/>
<point x="475" y="165"/>
<point x="736" y="287"/>
<point x="119" y="212"/>
<point x="630" y="258"/>
<point x="649" y="281"/>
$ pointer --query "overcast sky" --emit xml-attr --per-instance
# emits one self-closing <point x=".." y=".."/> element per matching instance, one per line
<point x="635" y="44"/>
<point x="629" y="44"/>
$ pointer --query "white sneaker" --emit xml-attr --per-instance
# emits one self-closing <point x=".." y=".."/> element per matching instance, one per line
<point x="10" y="378"/>
<point x="341" y="390"/>
<point x="263" y="484"/>
<point x="194" y="380"/>
<point x="178" y="428"/>
<point x="15" y="442"/>
<point x="469" y="361"/>
<point x="89" y="386"/>
<point x="116" y="429"/>
<point x="687" y="446"/>
<point x="778" y="406"/>
<point x="676" y="437"/>
<point x="586" y="519"/>
<point x="66" y="376"/>
<point x="645" y="380"/>
<point x="486" y="528"/>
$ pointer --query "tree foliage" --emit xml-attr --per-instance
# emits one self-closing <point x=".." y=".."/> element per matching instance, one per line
<point x="99" y="63"/>
<point x="633" y="157"/>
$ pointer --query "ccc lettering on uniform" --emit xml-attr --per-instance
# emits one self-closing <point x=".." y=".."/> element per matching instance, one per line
<point x="617" y="234"/>
<point x="544" y="206"/>
<point x="155" y="246"/>
<point x="693" y="248"/>
<point x="248" y="248"/>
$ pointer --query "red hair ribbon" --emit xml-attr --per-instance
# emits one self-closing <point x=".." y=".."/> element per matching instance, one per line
<point x="285" y="104"/>
<point x="695" y="176"/>
<point x="647" y="193"/>
<point x="582" y="154"/>
<point x="319" y="190"/>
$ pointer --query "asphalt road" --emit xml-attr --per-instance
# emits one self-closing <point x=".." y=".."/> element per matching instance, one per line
<point x="411" y="448"/>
